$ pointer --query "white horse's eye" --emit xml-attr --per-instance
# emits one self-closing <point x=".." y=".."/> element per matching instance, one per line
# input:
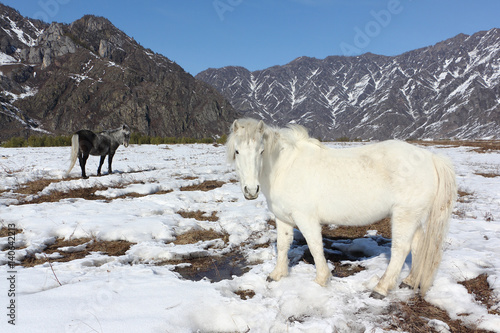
<point x="262" y="152"/>
<point x="237" y="152"/>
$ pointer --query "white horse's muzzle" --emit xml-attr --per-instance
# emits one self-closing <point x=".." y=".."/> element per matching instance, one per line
<point x="251" y="192"/>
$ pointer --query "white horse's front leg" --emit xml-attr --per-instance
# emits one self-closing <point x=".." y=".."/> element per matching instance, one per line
<point x="285" y="238"/>
<point x="311" y="230"/>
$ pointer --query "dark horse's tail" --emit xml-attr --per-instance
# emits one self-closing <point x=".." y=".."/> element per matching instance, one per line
<point x="74" y="153"/>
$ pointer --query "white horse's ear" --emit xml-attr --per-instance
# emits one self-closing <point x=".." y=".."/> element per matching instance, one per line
<point x="235" y="126"/>
<point x="260" y="127"/>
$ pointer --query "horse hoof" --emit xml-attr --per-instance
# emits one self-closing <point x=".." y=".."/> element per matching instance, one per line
<point x="376" y="295"/>
<point x="405" y="286"/>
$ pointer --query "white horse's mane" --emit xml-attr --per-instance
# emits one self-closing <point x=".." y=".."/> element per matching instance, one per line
<point x="275" y="137"/>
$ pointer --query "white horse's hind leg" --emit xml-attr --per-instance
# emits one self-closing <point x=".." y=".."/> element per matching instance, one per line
<point x="404" y="225"/>
<point x="410" y="279"/>
<point x="285" y="238"/>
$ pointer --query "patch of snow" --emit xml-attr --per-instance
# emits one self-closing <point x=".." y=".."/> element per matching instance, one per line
<point x="131" y="293"/>
<point x="7" y="59"/>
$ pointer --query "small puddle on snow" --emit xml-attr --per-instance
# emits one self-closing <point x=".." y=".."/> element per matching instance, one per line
<point x="213" y="268"/>
<point x="218" y="268"/>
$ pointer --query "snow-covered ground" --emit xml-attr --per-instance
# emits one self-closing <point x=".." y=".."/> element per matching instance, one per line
<point x="132" y="293"/>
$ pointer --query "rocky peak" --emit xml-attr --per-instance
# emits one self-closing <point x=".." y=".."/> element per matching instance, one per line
<point x="17" y="32"/>
<point x="89" y="74"/>
<point x="92" y="24"/>
<point x="51" y="43"/>
<point x="100" y="36"/>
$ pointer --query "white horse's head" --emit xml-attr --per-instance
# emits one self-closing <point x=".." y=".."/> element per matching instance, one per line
<point x="126" y="135"/>
<point x="245" y="147"/>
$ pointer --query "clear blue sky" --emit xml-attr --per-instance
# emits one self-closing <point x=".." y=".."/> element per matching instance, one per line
<point x="256" y="34"/>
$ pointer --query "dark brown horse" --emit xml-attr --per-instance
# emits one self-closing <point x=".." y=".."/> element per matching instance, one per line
<point x="85" y="143"/>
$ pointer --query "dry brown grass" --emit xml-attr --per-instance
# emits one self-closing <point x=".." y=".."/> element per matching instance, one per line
<point x="187" y="178"/>
<point x="55" y="196"/>
<point x="195" y="236"/>
<point x="464" y="196"/>
<point x="111" y="248"/>
<point x="5" y="232"/>
<point x="488" y="174"/>
<point x="88" y="193"/>
<point x="480" y="288"/>
<point x="480" y="146"/>
<point x="199" y="215"/>
<point x="414" y="315"/>
<point x="245" y="294"/>
<point x="383" y="228"/>
<point x="36" y="186"/>
<point x="207" y="185"/>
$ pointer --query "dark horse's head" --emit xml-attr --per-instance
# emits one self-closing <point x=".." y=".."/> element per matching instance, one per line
<point x="125" y="131"/>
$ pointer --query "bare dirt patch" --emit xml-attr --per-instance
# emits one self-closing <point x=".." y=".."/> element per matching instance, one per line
<point x="111" y="248"/>
<point x="207" y="185"/>
<point x="199" y="215"/>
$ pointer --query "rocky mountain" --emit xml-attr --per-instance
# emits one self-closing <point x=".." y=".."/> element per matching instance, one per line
<point x="449" y="90"/>
<point x="59" y="78"/>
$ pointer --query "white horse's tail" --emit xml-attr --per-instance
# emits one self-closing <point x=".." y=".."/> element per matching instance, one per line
<point x="74" y="153"/>
<point x="429" y="249"/>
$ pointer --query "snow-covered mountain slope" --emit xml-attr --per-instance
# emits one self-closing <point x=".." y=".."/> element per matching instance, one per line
<point x="449" y="90"/>
<point x="16" y="33"/>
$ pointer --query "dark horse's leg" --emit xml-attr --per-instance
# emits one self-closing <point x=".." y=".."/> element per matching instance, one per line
<point x="100" y="165"/>
<point x="110" y="160"/>
<point x="82" y="157"/>
<point x="86" y="141"/>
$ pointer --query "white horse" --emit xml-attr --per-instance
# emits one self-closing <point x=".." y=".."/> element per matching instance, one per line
<point x="307" y="184"/>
